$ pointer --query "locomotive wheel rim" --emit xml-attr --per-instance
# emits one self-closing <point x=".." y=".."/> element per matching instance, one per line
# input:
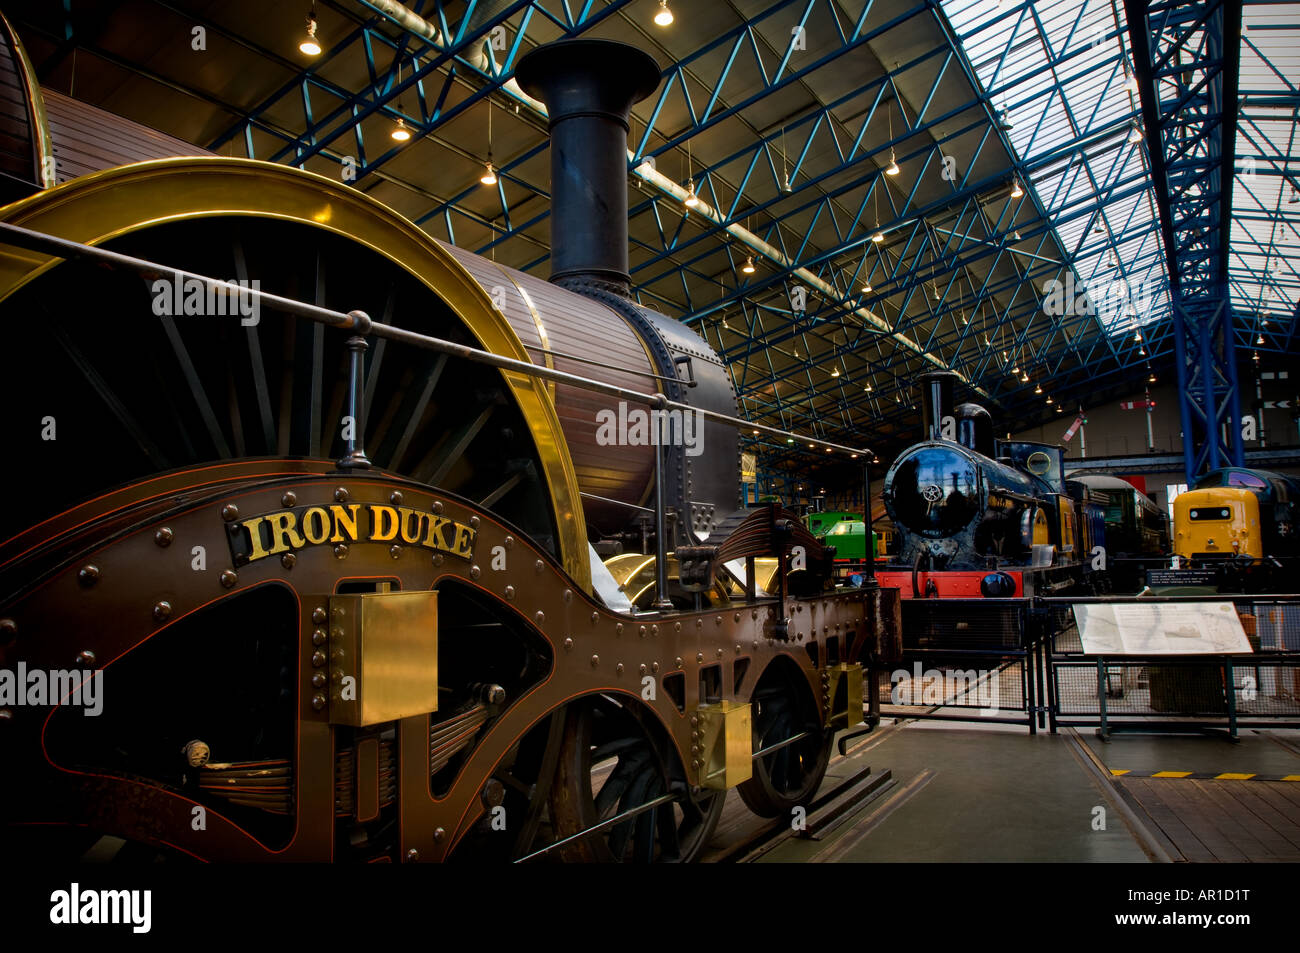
<point x="611" y="762"/>
<point x="97" y="208"/>
<point x="790" y="776"/>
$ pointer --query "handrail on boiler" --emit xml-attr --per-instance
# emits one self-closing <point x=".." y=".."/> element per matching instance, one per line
<point x="360" y="324"/>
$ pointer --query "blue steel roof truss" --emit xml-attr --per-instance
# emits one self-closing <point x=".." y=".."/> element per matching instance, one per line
<point x="1046" y="96"/>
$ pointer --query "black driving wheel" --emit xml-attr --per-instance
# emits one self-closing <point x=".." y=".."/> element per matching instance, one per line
<point x="613" y="759"/>
<point x="784" y="709"/>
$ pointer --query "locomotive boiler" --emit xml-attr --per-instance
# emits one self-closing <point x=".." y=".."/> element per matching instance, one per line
<point x="979" y="517"/>
<point x="967" y="507"/>
<point x="353" y="559"/>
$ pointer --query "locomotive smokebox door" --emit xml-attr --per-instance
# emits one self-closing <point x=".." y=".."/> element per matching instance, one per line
<point x="383" y="656"/>
<point x="726" y="744"/>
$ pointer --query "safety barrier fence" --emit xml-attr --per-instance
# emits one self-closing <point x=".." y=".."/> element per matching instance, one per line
<point x="1020" y="661"/>
<point x="969" y="660"/>
<point x="1184" y="693"/>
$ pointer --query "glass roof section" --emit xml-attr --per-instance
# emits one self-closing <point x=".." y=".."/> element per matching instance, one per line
<point x="1058" y="75"/>
<point x="1264" y="237"/>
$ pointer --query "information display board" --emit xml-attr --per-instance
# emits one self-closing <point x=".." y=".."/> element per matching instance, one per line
<point x="1199" y="628"/>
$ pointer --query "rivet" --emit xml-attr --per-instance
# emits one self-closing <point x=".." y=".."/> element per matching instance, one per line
<point x="699" y="623"/>
<point x="395" y="497"/>
<point x="228" y="578"/>
<point x="318" y="701"/>
<point x="618" y="669"/>
<point x="289" y="499"/>
<point x="737" y="648"/>
<point x="568" y="643"/>
<point x="229" y="512"/>
<point x="595" y="617"/>
<point x="618" y="626"/>
<point x="319" y="615"/>
<point x="395" y="551"/>
<point x="336" y="632"/>
<point x="654" y="666"/>
<point x="341" y="550"/>
<point x="163" y="536"/>
<point x="568" y="595"/>
<point x="642" y="669"/>
<point x="510" y="593"/>
<point x="677" y="627"/>
<point x="719" y="653"/>
<point x="643" y="632"/>
<point x="288" y="560"/>
<point x="8" y="631"/>
<point x="737" y="618"/>
<point x="439" y="835"/>
<point x="539" y="565"/>
<point x="679" y="661"/>
<point x="695" y="763"/>
<point x="695" y="720"/>
<point x="473" y="521"/>
<point x="6" y="714"/>
<point x="340" y="495"/>
<point x="756" y="645"/>
<point x="540" y="616"/>
<point x="437" y="559"/>
<point x="89" y="575"/>
<point x="699" y="657"/>
<point x="318" y="659"/>
<point x="654" y="631"/>
<point x="718" y="620"/>
<point x="318" y="637"/>
<point x="437" y="506"/>
<point x="595" y="660"/>
<point x="162" y="610"/>
<point x="413" y="855"/>
<point x="318" y="680"/>
<point x="475" y="572"/>
<point x="86" y="657"/>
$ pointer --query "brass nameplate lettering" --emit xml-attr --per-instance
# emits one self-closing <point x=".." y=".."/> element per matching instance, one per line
<point x="330" y="524"/>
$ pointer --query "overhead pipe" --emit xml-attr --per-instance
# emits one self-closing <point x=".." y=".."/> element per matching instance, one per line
<point x="481" y="58"/>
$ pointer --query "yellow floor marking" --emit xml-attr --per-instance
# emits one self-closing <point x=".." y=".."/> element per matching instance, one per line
<point x="1230" y="776"/>
<point x="1118" y="771"/>
<point x="1292" y="777"/>
<point x="1171" y="774"/>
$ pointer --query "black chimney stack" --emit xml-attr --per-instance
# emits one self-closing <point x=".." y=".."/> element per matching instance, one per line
<point x="589" y="87"/>
<point x="936" y="403"/>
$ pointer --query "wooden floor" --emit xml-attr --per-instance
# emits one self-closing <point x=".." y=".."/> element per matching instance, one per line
<point x="1210" y="821"/>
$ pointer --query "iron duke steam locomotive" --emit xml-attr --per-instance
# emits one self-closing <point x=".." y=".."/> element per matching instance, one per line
<point x="353" y="570"/>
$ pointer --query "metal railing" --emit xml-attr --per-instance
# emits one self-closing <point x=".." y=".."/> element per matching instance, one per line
<point x="969" y="660"/>
<point x="1021" y="661"/>
<point x="1188" y="693"/>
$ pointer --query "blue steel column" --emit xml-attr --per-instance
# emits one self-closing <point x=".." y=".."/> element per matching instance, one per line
<point x="1187" y="59"/>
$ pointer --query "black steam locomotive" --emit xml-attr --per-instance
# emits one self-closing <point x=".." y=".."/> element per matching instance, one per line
<point x="978" y="516"/>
